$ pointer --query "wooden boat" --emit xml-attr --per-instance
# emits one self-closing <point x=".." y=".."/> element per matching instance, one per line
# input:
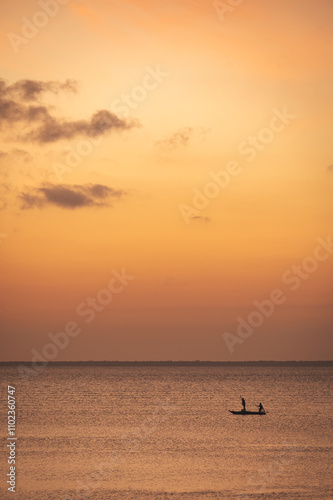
<point x="242" y="412"/>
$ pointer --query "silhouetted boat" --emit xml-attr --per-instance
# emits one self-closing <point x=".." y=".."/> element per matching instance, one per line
<point x="242" y="412"/>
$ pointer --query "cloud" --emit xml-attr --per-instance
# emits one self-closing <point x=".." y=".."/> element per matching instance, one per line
<point x="16" y="154"/>
<point x="21" y="154"/>
<point x="182" y="137"/>
<point x="70" y="196"/>
<point x="12" y="111"/>
<point x="5" y="191"/>
<point x="198" y="218"/>
<point x="330" y="168"/>
<point x="18" y="161"/>
<point x="14" y="160"/>
<point x="19" y="105"/>
<point x="30" y="201"/>
<point x="52" y="129"/>
<point x="30" y="90"/>
<point x="176" y="140"/>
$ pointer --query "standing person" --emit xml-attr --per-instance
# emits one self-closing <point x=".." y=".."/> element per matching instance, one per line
<point x="243" y="404"/>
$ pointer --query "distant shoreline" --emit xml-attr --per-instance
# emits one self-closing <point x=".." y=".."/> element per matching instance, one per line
<point x="176" y="363"/>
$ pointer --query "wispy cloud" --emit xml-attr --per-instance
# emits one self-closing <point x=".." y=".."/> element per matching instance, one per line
<point x="20" y="161"/>
<point x="69" y="196"/>
<point x="20" y="106"/>
<point x="181" y="138"/>
<point x="199" y="218"/>
<point x="176" y="140"/>
<point x="5" y="190"/>
<point x="22" y="154"/>
<point x="330" y="168"/>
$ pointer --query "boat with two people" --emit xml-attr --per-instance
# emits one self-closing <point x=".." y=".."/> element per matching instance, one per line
<point x="244" y="411"/>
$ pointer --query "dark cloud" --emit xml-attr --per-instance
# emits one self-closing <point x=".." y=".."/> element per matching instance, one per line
<point x="181" y="138"/>
<point x="37" y="121"/>
<point x="31" y="90"/>
<point x="198" y="218"/>
<point x="53" y="129"/>
<point x="102" y="191"/>
<point x="13" y="107"/>
<point x="70" y="196"/>
<point x="12" y="111"/>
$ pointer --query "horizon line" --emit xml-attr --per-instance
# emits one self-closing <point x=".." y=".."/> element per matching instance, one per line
<point x="177" y="362"/>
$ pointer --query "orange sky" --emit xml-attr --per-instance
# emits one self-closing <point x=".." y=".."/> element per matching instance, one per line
<point x="114" y="116"/>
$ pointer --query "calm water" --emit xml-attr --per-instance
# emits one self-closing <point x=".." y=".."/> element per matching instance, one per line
<point x="165" y="433"/>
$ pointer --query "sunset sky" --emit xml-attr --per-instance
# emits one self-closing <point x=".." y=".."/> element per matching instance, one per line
<point x="114" y="116"/>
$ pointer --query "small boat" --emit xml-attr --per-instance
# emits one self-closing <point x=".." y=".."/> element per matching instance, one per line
<point x="242" y="412"/>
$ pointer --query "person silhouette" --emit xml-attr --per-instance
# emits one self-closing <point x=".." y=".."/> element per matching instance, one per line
<point x="261" y="408"/>
<point x="243" y="404"/>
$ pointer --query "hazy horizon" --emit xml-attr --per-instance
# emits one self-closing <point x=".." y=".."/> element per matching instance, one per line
<point x="327" y="362"/>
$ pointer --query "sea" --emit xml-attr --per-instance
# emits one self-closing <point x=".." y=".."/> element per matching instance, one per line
<point x="165" y="432"/>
